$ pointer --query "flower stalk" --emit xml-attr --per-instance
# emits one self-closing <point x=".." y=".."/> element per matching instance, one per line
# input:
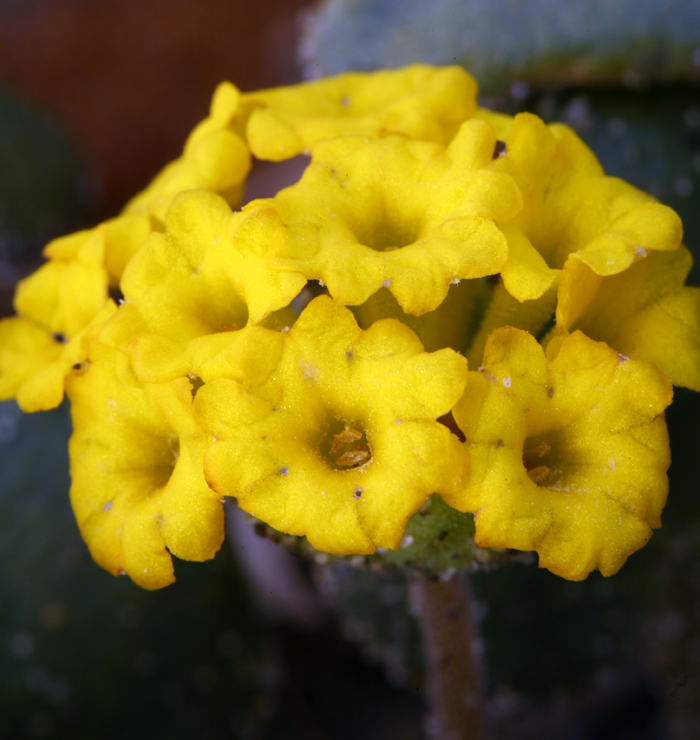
<point x="453" y="655"/>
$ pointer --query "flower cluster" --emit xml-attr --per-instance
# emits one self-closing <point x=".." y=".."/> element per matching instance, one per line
<point x="307" y="353"/>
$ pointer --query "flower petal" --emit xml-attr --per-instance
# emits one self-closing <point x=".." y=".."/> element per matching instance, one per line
<point x="409" y="216"/>
<point x="136" y="463"/>
<point x="644" y="313"/>
<point x="420" y="102"/>
<point x="569" y="457"/>
<point x="338" y="443"/>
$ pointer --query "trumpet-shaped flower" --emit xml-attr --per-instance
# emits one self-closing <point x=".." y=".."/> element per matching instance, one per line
<point x="572" y="210"/>
<point x="210" y="271"/>
<point x="644" y="312"/>
<point x="409" y="216"/>
<point x="567" y="457"/>
<point x="138" y="488"/>
<point x="330" y="432"/>
<point x="57" y="304"/>
<point x="419" y="102"/>
<point x="66" y="294"/>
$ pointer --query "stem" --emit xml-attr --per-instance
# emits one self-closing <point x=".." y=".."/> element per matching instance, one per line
<point x="443" y="609"/>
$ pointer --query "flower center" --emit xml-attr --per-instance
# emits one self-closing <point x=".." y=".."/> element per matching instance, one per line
<point x="344" y="446"/>
<point x="541" y="458"/>
<point x="166" y="454"/>
<point x="387" y="233"/>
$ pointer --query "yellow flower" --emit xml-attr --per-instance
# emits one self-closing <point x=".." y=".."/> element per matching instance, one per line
<point x="64" y="296"/>
<point x="57" y="304"/>
<point x="218" y="163"/>
<point x="577" y="226"/>
<point x="645" y="313"/>
<point x="567" y="458"/>
<point x="25" y="349"/>
<point x="330" y="432"/>
<point x="419" y="102"/>
<point x="572" y="210"/>
<point x="138" y="489"/>
<point x="203" y="383"/>
<point x="410" y="216"/>
<point x="210" y="271"/>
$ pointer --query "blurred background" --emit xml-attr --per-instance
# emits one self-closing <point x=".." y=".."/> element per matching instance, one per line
<point x="95" y="97"/>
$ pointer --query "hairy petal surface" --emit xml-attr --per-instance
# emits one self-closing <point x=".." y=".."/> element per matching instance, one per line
<point x="138" y="489"/>
<point x="409" y="216"/>
<point x="419" y="102"/>
<point x="339" y="441"/>
<point x="568" y="457"/>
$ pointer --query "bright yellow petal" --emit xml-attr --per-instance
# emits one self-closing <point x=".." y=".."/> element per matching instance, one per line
<point x="667" y="333"/>
<point x="136" y="462"/>
<point x="25" y="348"/>
<point x="62" y="296"/>
<point x="568" y="457"/>
<point x="420" y="102"/>
<point x="339" y="442"/>
<point x="409" y="216"/>
<point x="43" y="390"/>
<point x="644" y="313"/>
<point x="526" y="275"/>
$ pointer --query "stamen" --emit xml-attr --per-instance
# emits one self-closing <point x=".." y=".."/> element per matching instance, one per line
<point x="352" y="457"/>
<point x="347" y="436"/>
<point x="538" y="474"/>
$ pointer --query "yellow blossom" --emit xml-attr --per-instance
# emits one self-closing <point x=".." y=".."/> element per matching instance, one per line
<point x="645" y="313"/>
<point x="203" y="383"/>
<point x="57" y="304"/>
<point x="66" y="294"/>
<point x="419" y="102"/>
<point x="177" y="284"/>
<point x="567" y="457"/>
<point x="330" y="432"/>
<point x="210" y="271"/>
<point x="410" y="216"/>
<point x="577" y="226"/>
<point x="138" y="489"/>
<point x="572" y="210"/>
